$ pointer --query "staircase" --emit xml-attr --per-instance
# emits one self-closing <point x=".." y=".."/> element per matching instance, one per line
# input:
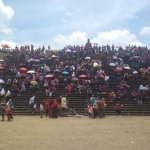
<point x="129" y="107"/>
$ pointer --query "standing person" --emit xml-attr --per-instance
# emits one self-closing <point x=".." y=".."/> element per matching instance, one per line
<point x="9" y="111"/>
<point x="95" y="107"/>
<point x="139" y="102"/>
<point x="41" y="109"/>
<point x="90" y="111"/>
<point x="31" y="103"/>
<point x="10" y="102"/>
<point x="53" y="108"/>
<point x="118" y="109"/>
<point x="2" y="106"/>
<point x="47" y="103"/>
<point x="103" y="110"/>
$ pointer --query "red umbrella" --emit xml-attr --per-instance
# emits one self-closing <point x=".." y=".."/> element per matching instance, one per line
<point x="49" y="76"/>
<point x="1" y="68"/>
<point x="82" y="76"/>
<point x="118" y="69"/>
<point x="23" y="69"/>
<point x="5" y="46"/>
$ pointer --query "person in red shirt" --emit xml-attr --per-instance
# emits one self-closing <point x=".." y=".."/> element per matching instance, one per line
<point x="53" y="108"/>
<point x="16" y="88"/>
<point x="118" y="109"/>
<point x="47" y="106"/>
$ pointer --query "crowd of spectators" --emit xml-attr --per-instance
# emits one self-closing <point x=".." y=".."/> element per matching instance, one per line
<point x="76" y="69"/>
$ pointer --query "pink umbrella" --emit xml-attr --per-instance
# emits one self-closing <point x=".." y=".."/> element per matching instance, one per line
<point x="118" y="69"/>
<point x="134" y="72"/>
<point x="68" y="50"/>
<point x="82" y="76"/>
<point x="49" y="76"/>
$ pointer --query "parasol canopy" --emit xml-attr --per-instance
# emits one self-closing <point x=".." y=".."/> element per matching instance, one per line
<point x="33" y="82"/>
<point x="49" y="76"/>
<point x="1" y="68"/>
<point x="112" y="64"/>
<point x="2" y="81"/>
<point x="65" y="72"/>
<point x="1" y="60"/>
<point x="54" y="56"/>
<point x="127" y="68"/>
<point x="31" y="71"/>
<point x="68" y="50"/>
<point x="135" y="72"/>
<point x="23" y="69"/>
<point x="87" y="58"/>
<point x="82" y="76"/>
<point x="118" y="69"/>
<point x="5" y="46"/>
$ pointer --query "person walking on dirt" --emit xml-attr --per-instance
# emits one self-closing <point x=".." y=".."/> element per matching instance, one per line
<point x="3" y="107"/>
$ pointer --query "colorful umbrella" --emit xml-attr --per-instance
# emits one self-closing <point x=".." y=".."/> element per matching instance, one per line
<point x="65" y="72"/>
<point x="5" y="46"/>
<point x="118" y="69"/>
<point x="2" y="81"/>
<point x="112" y="64"/>
<point x="82" y="76"/>
<point x="127" y="68"/>
<point x="54" y="56"/>
<point x="31" y="71"/>
<point x="33" y="82"/>
<point x="49" y="76"/>
<point x="68" y="50"/>
<point x="23" y="69"/>
<point x="1" y="68"/>
<point x="87" y="58"/>
<point x="134" y="72"/>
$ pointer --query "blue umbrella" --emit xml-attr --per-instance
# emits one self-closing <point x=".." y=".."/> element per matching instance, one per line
<point x="42" y="58"/>
<point x="65" y="72"/>
<point x="143" y="88"/>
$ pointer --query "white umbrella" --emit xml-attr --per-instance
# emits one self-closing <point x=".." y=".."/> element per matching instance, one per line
<point x="1" y="59"/>
<point x="2" y="81"/>
<point x="112" y="64"/>
<point x="54" y="56"/>
<point x="31" y="71"/>
<point x="87" y="58"/>
<point x="127" y="68"/>
<point x="36" y="60"/>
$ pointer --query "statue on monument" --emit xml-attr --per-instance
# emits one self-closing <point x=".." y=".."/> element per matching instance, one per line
<point x="88" y="45"/>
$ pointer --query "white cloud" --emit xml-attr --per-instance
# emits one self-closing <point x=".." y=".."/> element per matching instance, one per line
<point x="116" y="37"/>
<point x="6" y="13"/>
<point x="68" y="13"/>
<point x="64" y="21"/>
<point x="76" y="38"/>
<point x="10" y="43"/>
<point x="145" y="31"/>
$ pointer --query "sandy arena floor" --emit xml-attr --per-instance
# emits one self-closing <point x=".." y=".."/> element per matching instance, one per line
<point x="111" y="133"/>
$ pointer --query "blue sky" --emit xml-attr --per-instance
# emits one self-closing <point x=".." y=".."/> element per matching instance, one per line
<point x="70" y="22"/>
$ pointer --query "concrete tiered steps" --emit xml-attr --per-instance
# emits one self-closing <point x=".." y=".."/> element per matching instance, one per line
<point x="77" y="100"/>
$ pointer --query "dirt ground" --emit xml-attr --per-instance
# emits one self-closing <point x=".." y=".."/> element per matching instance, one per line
<point x="75" y="133"/>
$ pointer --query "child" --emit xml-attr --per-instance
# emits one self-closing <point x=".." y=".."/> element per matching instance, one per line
<point x="90" y="110"/>
<point x="41" y="109"/>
